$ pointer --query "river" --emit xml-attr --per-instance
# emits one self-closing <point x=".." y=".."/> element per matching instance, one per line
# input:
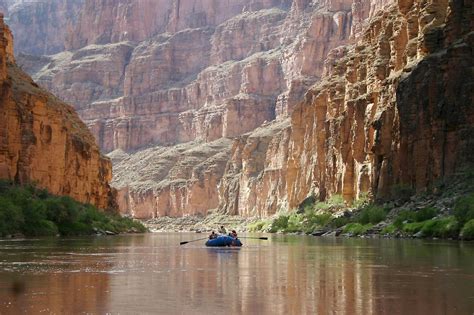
<point x="153" y="274"/>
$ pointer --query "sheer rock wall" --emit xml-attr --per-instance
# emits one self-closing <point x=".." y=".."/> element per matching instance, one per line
<point x="394" y="109"/>
<point x="43" y="141"/>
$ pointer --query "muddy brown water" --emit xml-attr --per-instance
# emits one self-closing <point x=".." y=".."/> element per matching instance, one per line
<point x="153" y="274"/>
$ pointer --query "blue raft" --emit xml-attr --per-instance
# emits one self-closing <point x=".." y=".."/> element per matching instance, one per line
<point x="224" y="240"/>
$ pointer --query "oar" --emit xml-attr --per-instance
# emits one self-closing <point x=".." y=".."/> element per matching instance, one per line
<point x="255" y="238"/>
<point x="200" y="239"/>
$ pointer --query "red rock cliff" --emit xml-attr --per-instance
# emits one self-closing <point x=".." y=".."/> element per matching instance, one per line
<point x="390" y="109"/>
<point x="42" y="140"/>
<point x="165" y="72"/>
<point x="154" y="73"/>
<point x="396" y="108"/>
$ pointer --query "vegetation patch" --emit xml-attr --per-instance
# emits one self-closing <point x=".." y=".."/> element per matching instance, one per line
<point x="444" y="228"/>
<point x="464" y="209"/>
<point x="371" y="214"/>
<point x="467" y="232"/>
<point x="357" y="229"/>
<point x="389" y="230"/>
<point x="314" y="216"/>
<point x="413" y="228"/>
<point x="259" y="226"/>
<point x="34" y="212"/>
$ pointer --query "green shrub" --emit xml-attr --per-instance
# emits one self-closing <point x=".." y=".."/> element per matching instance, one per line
<point x="425" y="214"/>
<point x="467" y="232"/>
<point x="464" y="209"/>
<point x="4" y="186"/>
<point x="357" y="228"/>
<point x="338" y="222"/>
<point x="279" y="224"/>
<point x="317" y="220"/>
<point x="294" y="223"/>
<point x="40" y="228"/>
<point x="11" y="217"/>
<point x="402" y="217"/>
<point x="307" y="204"/>
<point x="34" y="212"/>
<point x="62" y="210"/>
<point x="445" y="227"/>
<point x="336" y="201"/>
<point x="407" y="216"/>
<point x="412" y="228"/>
<point x="129" y="224"/>
<point x="90" y="215"/>
<point x="389" y="229"/>
<point x="371" y="214"/>
<point x="258" y="226"/>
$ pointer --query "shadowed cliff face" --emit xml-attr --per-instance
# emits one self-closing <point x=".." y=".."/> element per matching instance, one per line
<point x="42" y="140"/>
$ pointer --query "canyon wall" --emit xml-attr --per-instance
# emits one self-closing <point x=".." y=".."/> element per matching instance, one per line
<point x="43" y="141"/>
<point x="160" y="73"/>
<point x="144" y="73"/>
<point x="393" y="110"/>
<point x="166" y="85"/>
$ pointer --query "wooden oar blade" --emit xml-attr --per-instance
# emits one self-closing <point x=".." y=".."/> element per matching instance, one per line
<point x="263" y="238"/>
<point x="182" y="243"/>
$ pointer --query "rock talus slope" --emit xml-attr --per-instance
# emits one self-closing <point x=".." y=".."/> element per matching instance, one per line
<point x="42" y="140"/>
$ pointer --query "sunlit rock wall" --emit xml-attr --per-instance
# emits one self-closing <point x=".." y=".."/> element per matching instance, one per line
<point x="43" y="141"/>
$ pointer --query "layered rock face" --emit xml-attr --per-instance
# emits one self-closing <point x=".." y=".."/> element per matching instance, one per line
<point x="42" y="140"/>
<point x="394" y="109"/>
<point x="168" y="71"/>
<point x="143" y="73"/>
<point x="170" y="181"/>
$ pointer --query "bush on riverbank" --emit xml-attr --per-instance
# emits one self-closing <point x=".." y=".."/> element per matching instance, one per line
<point x="464" y="209"/>
<point x="356" y="229"/>
<point x="315" y="217"/>
<point x="467" y="232"/>
<point x="34" y="212"/>
<point x="424" y="222"/>
<point x="371" y="214"/>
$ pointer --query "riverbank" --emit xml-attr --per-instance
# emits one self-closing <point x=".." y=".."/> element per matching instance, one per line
<point x="30" y="211"/>
<point x="445" y="211"/>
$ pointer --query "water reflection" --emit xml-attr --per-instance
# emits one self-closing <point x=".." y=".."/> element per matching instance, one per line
<point x="285" y="275"/>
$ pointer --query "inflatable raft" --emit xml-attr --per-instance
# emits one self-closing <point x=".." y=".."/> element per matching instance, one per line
<point x="224" y="240"/>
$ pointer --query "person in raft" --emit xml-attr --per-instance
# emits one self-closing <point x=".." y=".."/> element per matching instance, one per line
<point x="222" y="230"/>
<point x="213" y="235"/>
<point x="233" y="234"/>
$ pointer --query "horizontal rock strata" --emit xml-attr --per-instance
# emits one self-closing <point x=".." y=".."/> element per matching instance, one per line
<point x="393" y="111"/>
